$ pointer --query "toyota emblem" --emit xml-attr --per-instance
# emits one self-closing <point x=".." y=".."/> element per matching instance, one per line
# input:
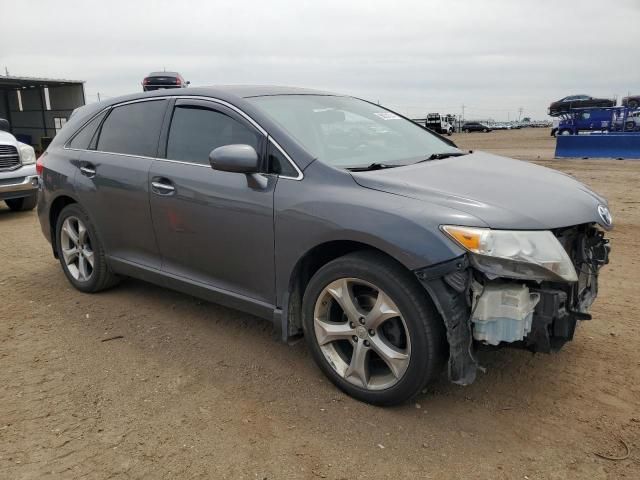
<point x="605" y="215"/>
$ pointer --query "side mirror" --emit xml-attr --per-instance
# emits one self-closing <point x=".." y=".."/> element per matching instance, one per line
<point x="188" y="82"/>
<point x="4" y="125"/>
<point x="234" y="158"/>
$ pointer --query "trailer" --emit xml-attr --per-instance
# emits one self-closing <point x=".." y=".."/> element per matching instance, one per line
<point x="605" y="119"/>
<point x="611" y="132"/>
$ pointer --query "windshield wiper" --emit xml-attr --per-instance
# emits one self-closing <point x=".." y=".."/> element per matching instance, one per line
<point x="440" y="156"/>
<point x="380" y="166"/>
<point x="372" y="166"/>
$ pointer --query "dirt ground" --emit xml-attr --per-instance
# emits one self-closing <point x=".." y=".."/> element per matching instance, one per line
<point x="195" y="390"/>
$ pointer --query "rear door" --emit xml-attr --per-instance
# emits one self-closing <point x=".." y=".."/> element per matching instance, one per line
<point x="112" y="181"/>
<point x="213" y="227"/>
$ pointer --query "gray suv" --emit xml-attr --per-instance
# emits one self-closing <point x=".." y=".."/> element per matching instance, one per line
<point x="390" y="249"/>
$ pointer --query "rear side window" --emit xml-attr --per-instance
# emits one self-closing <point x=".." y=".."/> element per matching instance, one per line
<point x="196" y="131"/>
<point x="133" y="129"/>
<point x="85" y="139"/>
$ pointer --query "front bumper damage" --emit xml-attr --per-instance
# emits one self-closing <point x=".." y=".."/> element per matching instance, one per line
<point x="538" y="316"/>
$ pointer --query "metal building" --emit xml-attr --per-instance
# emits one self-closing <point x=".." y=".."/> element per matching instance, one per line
<point x="37" y="108"/>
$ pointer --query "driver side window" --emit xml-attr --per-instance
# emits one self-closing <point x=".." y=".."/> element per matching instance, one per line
<point x="195" y="131"/>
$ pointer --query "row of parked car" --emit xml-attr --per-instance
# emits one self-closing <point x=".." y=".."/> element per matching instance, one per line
<point x="490" y="126"/>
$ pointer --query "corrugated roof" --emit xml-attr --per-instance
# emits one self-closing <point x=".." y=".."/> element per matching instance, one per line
<point x="26" y="82"/>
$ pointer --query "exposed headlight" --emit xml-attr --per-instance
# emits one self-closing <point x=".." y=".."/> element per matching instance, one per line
<point x="27" y="153"/>
<point x="529" y="255"/>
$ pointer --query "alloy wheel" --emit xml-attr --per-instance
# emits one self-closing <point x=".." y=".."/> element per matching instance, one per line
<point x="362" y="334"/>
<point x="77" y="252"/>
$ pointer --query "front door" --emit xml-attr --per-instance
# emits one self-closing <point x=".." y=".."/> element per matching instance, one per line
<point x="213" y="227"/>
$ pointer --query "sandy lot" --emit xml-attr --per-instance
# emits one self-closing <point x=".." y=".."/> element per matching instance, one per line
<point x="195" y="390"/>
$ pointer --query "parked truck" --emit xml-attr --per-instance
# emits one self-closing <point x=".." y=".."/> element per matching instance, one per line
<point x="18" y="177"/>
<point x="442" y="124"/>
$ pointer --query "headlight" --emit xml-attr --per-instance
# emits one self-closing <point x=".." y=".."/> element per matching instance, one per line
<point x="27" y="153"/>
<point x="529" y="255"/>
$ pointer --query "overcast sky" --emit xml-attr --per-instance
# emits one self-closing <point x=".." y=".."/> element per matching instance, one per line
<point x="494" y="56"/>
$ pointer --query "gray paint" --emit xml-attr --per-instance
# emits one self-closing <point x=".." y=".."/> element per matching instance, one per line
<point x="494" y="191"/>
<point x="117" y="200"/>
<point x="222" y="236"/>
<point x="215" y="228"/>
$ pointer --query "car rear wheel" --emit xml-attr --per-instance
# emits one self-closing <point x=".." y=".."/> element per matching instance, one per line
<point x="22" y="204"/>
<point x="80" y="252"/>
<point x="372" y="329"/>
<point x="633" y="103"/>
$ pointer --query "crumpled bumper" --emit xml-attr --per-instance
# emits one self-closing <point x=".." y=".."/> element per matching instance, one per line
<point x="540" y="317"/>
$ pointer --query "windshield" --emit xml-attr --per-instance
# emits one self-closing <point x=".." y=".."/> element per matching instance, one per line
<point x="346" y="132"/>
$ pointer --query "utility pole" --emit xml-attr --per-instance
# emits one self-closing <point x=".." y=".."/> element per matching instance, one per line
<point x="463" y="105"/>
<point x="98" y="96"/>
<point x="520" y="110"/>
<point x="6" y="71"/>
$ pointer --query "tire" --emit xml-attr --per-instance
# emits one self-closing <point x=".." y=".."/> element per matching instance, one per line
<point x="465" y="130"/>
<point x="630" y="126"/>
<point x="73" y="222"/>
<point x="413" y="342"/>
<point x="565" y="132"/>
<point x="22" y="204"/>
<point x="633" y="103"/>
<point x="485" y="130"/>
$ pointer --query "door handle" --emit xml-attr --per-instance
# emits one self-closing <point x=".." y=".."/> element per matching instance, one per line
<point x="162" y="187"/>
<point x="88" y="170"/>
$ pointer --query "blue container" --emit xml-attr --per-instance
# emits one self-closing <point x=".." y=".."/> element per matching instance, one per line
<point x="607" y="145"/>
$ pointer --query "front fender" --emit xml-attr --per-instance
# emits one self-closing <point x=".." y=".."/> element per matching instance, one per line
<point x="329" y="206"/>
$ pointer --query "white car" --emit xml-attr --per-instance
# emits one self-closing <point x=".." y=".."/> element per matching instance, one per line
<point x="631" y="123"/>
<point x="18" y="177"/>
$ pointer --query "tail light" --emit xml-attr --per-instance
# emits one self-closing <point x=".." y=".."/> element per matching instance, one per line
<point x="40" y="164"/>
<point x="178" y="81"/>
<point x="145" y="81"/>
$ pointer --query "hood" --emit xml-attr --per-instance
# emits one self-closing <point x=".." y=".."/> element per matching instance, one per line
<point x="501" y="192"/>
<point x="7" y="138"/>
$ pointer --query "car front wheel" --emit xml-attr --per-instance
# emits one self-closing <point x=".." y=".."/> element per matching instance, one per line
<point x="371" y="328"/>
<point x="80" y="252"/>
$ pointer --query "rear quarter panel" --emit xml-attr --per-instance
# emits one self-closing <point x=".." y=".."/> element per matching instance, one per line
<point x="58" y="179"/>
